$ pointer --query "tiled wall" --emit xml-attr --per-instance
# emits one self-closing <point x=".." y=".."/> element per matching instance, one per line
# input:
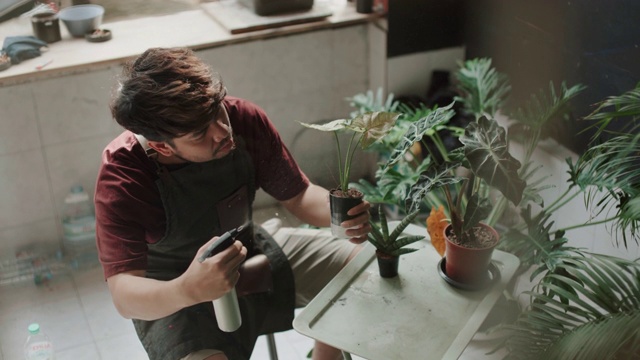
<point x="52" y="131"/>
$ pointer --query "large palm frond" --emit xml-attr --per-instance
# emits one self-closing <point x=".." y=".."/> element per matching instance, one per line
<point x="625" y="106"/>
<point x="483" y="89"/>
<point x="538" y="244"/>
<point x="370" y="102"/>
<point x="540" y="112"/>
<point x="609" y="175"/>
<point x="599" y="319"/>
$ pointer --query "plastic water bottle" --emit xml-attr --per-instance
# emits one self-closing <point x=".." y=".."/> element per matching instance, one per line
<point x="38" y="345"/>
<point x="79" y="224"/>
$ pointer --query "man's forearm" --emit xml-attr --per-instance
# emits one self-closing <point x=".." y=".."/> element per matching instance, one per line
<point x="311" y="206"/>
<point x="137" y="297"/>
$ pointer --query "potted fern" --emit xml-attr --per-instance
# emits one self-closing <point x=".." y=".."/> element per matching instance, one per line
<point x="389" y="246"/>
<point x="365" y="130"/>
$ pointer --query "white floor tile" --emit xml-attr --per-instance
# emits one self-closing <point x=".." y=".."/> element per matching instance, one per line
<point x="125" y="347"/>
<point x="62" y="320"/>
<point x="85" y="352"/>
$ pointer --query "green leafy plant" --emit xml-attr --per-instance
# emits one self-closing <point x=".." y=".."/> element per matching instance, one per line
<point x="366" y="128"/>
<point x="391" y="243"/>
<point x="588" y="308"/>
<point x="582" y="305"/>
<point x="469" y="175"/>
<point x="399" y="167"/>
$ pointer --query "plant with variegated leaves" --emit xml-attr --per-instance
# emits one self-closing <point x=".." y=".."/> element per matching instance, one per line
<point x="367" y="128"/>
<point x="469" y="174"/>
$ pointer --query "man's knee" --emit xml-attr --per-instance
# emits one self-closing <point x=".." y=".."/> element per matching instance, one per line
<point x="353" y="254"/>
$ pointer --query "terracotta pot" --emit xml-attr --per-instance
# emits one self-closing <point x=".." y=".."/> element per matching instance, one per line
<point x="339" y="208"/>
<point x="469" y="265"/>
<point x="387" y="264"/>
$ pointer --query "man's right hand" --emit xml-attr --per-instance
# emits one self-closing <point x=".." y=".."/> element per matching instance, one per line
<point x="215" y="276"/>
<point x="138" y="297"/>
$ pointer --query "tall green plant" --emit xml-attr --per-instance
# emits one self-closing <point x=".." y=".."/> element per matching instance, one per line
<point x="484" y="154"/>
<point x="399" y="167"/>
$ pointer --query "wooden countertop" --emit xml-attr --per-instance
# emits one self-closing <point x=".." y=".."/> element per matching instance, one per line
<point x="195" y="29"/>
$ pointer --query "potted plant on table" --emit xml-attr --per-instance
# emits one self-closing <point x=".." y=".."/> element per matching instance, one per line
<point x="581" y="304"/>
<point x="366" y="129"/>
<point x="471" y="177"/>
<point x="389" y="246"/>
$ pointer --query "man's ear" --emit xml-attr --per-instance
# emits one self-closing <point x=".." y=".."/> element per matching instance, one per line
<point x="161" y="147"/>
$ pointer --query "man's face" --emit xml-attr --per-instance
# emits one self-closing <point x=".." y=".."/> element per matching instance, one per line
<point x="213" y="142"/>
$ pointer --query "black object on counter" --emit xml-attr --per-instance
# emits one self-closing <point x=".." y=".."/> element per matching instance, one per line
<point x="46" y="27"/>
<point x="98" y="35"/>
<point x="276" y="7"/>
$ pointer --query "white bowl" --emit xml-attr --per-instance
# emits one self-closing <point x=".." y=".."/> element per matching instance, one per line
<point x="81" y="19"/>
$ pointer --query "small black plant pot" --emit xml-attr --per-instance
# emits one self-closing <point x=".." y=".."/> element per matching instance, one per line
<point x="387" y="264"/>
<point x="339" y="208"/>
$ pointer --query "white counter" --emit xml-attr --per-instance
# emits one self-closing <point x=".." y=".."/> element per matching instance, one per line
<point x="195" y="29"/>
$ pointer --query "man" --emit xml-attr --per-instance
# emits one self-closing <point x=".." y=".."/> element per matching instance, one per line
<point x="185" y="171"/>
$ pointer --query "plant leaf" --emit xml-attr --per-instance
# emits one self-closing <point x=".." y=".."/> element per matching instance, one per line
<point x="433" y="178"/>
<point x="403" y="225"/>
<point x="405" y="241"/>
<point x="373" y="126"/>
<point x="486" y="148"/>
<point x="571" y="327"/>
<point x="376" y="233"/>
<point x="416" y="131"/>
<point x="477" y="210"/>
<point x="623" y="107"/>
<point x="384" y="228"/>
<point x="483" y="88"/>
<point x="334" y="125"/>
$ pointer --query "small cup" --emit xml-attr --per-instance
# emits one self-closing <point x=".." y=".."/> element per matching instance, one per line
<point x="46" y="27"/>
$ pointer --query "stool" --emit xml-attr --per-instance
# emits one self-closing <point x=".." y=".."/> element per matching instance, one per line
<point x="271" y="345"/>
<point x="255" y="278"/>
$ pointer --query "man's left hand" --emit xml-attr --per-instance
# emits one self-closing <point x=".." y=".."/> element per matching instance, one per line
<point x="358" y="228"/>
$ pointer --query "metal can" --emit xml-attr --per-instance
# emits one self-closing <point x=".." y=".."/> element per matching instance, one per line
<point x="46" y="27"/>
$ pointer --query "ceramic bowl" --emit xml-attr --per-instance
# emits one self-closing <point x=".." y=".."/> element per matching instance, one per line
<point x="81" y="19"/>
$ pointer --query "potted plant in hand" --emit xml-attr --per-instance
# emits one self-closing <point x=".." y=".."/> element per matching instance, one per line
<point x="367" y="128"/>
<point x="389" y="246"/>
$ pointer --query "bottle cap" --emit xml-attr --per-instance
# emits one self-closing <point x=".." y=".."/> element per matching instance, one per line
<point x="34" y="328"/>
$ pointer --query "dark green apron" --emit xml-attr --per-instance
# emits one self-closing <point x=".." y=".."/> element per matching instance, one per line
<point x="202" y="200"/>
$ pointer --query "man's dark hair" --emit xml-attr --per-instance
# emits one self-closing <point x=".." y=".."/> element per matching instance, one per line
<point x="167" y="93"/>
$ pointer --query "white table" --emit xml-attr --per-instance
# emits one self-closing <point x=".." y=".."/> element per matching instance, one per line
<point x="416" y="315"/>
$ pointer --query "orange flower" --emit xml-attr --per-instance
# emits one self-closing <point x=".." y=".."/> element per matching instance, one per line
<point x="435" y="226"/>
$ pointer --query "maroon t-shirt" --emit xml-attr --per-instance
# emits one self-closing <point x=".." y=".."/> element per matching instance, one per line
<point x="129" y="210"/>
